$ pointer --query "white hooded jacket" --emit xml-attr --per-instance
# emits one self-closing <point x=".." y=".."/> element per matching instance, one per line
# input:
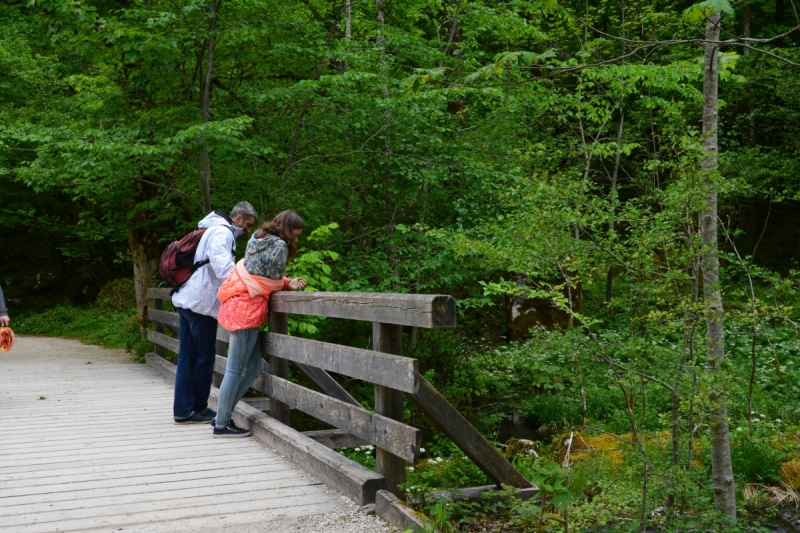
<point x="218" y="245"/>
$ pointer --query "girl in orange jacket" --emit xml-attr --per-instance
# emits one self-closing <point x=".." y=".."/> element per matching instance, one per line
<point x="245" y="298"/>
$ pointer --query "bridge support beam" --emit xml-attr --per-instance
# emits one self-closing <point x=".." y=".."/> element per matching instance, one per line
<point x="388" y="338"/>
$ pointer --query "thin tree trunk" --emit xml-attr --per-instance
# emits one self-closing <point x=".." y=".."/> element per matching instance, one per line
<point x="205" y="104"/>
<point x="751" y="119"/>
<point x="348" y="18"/>
<point x="610" y="276"/>
<point x="722" y="471"/>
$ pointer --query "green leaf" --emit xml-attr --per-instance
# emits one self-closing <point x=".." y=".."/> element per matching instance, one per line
<point x="703" y="10"/>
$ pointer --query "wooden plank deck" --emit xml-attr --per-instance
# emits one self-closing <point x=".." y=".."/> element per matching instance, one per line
<point x="99" y="452"/>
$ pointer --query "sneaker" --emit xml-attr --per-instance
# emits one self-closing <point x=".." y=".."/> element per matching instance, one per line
<point x="209" y="412"/>
<point x="231" y="430"/>
<point x="196" y="418"/>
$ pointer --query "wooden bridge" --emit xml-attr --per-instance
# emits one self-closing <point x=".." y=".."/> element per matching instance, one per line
<point x="109" y="456"/>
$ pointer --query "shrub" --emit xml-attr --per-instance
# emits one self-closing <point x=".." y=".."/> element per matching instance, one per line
<point x="755" y="461"/>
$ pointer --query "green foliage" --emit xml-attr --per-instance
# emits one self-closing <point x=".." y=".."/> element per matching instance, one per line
<point x="755" y="461"/>
<point x="98" y="325"/>
<point x="468" y="151"/>
<point x="703" y="10"/>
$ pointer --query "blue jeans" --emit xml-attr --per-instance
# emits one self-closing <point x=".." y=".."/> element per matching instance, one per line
<point x="244" y="366"/>
<point x="198" y="335"/>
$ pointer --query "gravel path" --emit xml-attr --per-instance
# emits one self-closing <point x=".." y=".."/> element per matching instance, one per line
<point x="57" y="354"/>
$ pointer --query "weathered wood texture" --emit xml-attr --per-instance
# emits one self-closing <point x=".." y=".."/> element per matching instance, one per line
<point x="335" y="470"/>
<point x="159" y="294"/>
<point x="162" y="340"/>
<point x="172" y="321"/>
<point x="335" y="438"/>
<point x="422" y="310"/>
<point x="387" y="433"/>
<point x="221" y="349"/>
<point x="381" y="368"/>
<point x="63" y="471"/>
<point x="453" y="424"/>
<point x="486" y="495"/>
<point x="162" y="366"/>
<point x="398" y="514"/>
<point x="385" y="366"/>
<point x="360" y="425"/>
<point x="158" y="306"/>
<point x="159" y="316"/>
<point x="326" y="383"/>
<point x="278" y="323"/>
<point x="388" y="338"/>
<point x="262" y="404"/>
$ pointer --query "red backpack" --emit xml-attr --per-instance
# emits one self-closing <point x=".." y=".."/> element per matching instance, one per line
<point x="177" y="262"/>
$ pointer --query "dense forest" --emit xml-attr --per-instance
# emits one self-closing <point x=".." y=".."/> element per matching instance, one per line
<point x="609" y="189"/>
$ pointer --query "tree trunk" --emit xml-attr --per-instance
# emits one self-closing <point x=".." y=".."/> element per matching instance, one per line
<point x="751" y="119"/>
<point x="205" y="104"/>
<point x="348" y="18"/>
<point x="615" y="175"/>
<point x="145" y="253"/>
<point x="722" y="471"/>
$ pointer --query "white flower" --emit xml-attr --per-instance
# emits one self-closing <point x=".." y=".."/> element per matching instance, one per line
<point x="422" y="450"/>
<point x="779" y="421"/>
<point x="410" y="468"/>
<point x="738" y="429"/>
<point x="763" y="416"/>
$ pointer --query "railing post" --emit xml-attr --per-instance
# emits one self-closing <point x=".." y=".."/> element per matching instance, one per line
<point x="388" y="338"/>
<point x="221" y="349"/>
<point x="158" y="326"/>
<point x="278" y="323"/>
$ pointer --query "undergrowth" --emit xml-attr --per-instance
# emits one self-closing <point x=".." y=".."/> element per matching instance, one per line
<point x="110" y="322"/>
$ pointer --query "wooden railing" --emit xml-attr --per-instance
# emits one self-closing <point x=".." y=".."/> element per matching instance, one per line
<point x="393" y="375"/>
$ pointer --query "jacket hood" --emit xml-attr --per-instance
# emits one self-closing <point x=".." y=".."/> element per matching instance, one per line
<point x="255" y="246"/>
<point x="219" y="218"/>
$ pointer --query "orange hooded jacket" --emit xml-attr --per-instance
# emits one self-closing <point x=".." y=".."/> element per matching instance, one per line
<point x="245" y="298"/>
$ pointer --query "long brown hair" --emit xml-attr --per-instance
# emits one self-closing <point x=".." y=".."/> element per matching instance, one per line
<point x="283" y="226"/>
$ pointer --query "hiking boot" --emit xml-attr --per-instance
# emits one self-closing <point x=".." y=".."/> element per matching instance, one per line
<point x="231" y="430"/>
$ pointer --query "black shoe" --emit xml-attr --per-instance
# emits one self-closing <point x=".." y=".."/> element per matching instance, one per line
<point x="196" y="418"/>
<point x="231" y="431"/>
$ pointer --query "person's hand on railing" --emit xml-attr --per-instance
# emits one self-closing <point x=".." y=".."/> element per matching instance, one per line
<point x="296" y="284"/>
<point x="4" y="321"/>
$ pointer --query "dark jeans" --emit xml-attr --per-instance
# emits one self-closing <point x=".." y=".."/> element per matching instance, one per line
<point x="195" y="370"/>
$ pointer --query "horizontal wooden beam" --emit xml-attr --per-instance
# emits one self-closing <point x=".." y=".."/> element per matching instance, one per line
<point x="161" y="365"/>
<point x="421" y="310"/>
<point x="317" y="460"/>
<point x="165" y="317"/>
<point x="159" y="294"/>
<point x="335" y="438"/>
<point x="400" y="439"/>
<point x="385" y="369"/>
<point x="262" y="404"/>
<point x="162" y="340"/>
<point x="485" y="495"/>
<point x="458" y="429"/>
<point x="172" y="321"/>
<point x="393" y="436"/>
